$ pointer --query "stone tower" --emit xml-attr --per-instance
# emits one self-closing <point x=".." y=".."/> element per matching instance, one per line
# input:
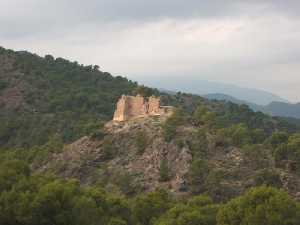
<point x="153" y="105"/>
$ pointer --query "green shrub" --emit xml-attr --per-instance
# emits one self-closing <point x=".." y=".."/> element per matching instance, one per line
<point x="98" y="135"/>
<point x="199" y="143"/>
<point x="182" y="215"/>
<point x="117" y="221"/>
<point x="164" y="171"/>
<point x="281" y="153"/>
<point x="141" y="142"/>
<point x="147" y="208"/>
<point x="256" y="155"/>
<point x="3" y="85"/>
<point x="198" y="173"/>
<point x="126" y="182"/>
<point x="277" y="138"/>
<point x="169" y="131"/>
<point x="294" y="146"/>
<point x="263" y="205"/>
<point x="216" y="188"/>
<point x="202" y="116"/>
<point x="198" y="114"/>
<point x="108" y="149"/>
<point x="200" y="201"/>
<point x="237" y="135"/>
<point x="171" y="124"/>
<point x="268" y="178"/>
<point x="220" y="139"/>
<point x="258" y="136"/>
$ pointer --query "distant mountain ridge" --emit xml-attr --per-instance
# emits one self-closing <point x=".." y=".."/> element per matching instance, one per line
<point x="274" y="108"/>
<point x="283" y="109"/>
<point x="221" y="97"/>
<point x="203" y="87"/>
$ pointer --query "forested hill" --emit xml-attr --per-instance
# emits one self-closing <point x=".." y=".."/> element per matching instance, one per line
<point x="203" y="159"/>
<point x="46" y="98"/>
<point x="42" y="97"/>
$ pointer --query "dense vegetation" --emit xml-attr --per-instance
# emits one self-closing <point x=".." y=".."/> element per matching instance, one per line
<point x="56" y="101"/>
<point x="56" y="97"/>
<point x="228" y="113"/>
<point x="255" y="133"/>
<point x="42" y="97"/>
<point x="30" y="199"/>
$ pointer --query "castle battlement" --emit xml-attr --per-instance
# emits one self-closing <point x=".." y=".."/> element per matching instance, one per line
<point x="130" y="107"/>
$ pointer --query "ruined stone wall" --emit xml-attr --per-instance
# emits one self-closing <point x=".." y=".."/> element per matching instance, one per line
<point x="129" y="107"/>
<point x="120" y="112"/>
<point x="136" y="106"/>
<point x="153" y="105"/>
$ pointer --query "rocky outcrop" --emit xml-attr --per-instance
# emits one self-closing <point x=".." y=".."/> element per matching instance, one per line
<point x="118" y="161"/>
<point x="87" y="161"/>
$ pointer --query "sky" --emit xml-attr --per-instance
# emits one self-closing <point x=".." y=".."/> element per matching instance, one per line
<point x="250" y="43"/>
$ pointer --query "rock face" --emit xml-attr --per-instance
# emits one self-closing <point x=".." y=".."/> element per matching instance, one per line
<point x="87" y="160"/>
<point x="117" y="160"/>
<point x="130" y="107"/>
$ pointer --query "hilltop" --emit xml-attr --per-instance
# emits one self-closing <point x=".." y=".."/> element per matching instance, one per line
<point x="185" y="153"/>
<point x="43" y="97"/>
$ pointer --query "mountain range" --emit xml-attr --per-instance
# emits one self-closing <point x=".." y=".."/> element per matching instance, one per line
<point x="203" y="87"/>
<point x="274" y="108"/>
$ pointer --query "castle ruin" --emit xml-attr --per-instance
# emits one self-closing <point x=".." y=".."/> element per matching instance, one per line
<point x="130" y="107"/>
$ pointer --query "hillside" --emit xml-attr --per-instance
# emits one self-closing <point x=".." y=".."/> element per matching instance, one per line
<point x="186" y="154"/>
<point x="220" y="149"/>
<point x="63" y="161"/>
<point x="42" y="97"/>
<point x="53" y="112"/>
<point x="194" y="167"/>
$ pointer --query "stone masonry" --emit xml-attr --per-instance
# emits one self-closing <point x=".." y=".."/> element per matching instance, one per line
<point x="130" y="107"/>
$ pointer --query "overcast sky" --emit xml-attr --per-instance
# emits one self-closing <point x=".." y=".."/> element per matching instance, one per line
<point x="251" y="43"/>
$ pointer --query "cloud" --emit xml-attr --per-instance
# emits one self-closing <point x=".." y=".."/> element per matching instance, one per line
<point x="249" y="43"/>
<point x="33" y="16"/>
